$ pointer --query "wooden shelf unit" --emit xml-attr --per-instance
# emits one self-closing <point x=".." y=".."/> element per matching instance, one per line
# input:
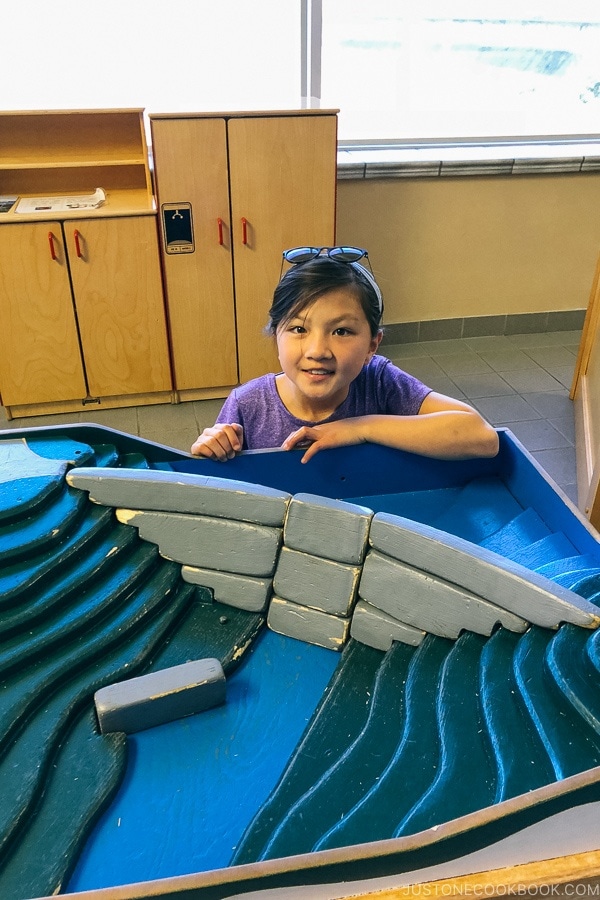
<point x="81" y="299"/>
<point x="53" y="152"/>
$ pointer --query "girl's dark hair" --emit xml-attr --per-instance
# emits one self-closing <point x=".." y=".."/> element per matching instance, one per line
<point x="304" y="283"/>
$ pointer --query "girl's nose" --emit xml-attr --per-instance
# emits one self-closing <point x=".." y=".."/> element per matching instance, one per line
<point x="317" y="347"/>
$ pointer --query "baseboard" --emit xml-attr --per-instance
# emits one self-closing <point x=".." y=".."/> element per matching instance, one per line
<point x="482" y="326"/>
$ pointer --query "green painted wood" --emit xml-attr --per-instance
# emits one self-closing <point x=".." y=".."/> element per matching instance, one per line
<point x="26" y="753"/>
<point x="413" y="765"/>
<point x="337" y="721"/>
<point x="87" y="770"/>
<point x="466" y="778"/>
<point x="27" y="687"/>
<point x="45" y="530"/>
<point x="568" y="664"/>
<point x="570" y="743"/>
<point x="331" y="796"/>
<point x="18" y="578"/>
<point x="77" y="613"/>
<point x="588" y="584"/>
<point x="592" y="652"/>
<point x="67" y="587"/>
<point x="521" y="759"/>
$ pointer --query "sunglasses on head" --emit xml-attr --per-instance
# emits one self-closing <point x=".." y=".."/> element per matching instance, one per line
<point x="298" y="255"/>
<point x="342" y="254"/>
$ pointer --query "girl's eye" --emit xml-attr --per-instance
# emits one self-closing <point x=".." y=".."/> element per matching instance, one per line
<point x="297" y="329"/>
<point x="342" y="332"/>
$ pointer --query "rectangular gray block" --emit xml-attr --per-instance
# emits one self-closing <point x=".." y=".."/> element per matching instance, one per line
<point x="208" y="543"/>
<point x="310" y="625"/>
<point x="204" y="495"/>
<point x="160" y="697"/>
<point x="241" y="591"/>
<point x="331" y="528"/>
<point x="377" y="629"/>
<point x="316" y="582"/>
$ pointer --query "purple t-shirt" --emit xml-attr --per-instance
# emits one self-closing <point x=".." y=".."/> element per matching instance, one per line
<point x="381" y="388"/>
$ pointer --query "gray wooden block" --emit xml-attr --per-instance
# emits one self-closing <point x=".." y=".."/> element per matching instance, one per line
<point x="377" y="629"/>
<point x="240" y="591"/>
<point x="160" y="697"/>
<point x="316" y="582"/>
<point x="428" y="603"/>
<point x="309" y="625"/>
<point x="482" y="572"/>
<point x="324" y="527"/>
<point x="184" y="493"/>
<point x="208" y="543"/>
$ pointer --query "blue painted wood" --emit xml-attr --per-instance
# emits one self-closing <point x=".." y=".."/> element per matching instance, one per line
<point x="235" y="754"/>
<point x="346" y="471"/>
<point x="563" y="565"/>
<point x="46" y="529"/>
<point x="338" y="720"/>
<point x="549" y="549"/>
<point x="482" y="508"/>
<point x="18" y="578"/>
<point x="334" y="793"/>
<point x="524" y="529"/>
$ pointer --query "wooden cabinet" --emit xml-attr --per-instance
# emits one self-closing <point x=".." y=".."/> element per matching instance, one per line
<point x="256" y="184"/>
<point x="81" y="301"/>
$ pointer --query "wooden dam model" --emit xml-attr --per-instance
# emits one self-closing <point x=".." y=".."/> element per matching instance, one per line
<point x="315" y="680"/>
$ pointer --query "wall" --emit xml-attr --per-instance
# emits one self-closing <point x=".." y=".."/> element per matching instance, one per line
<point x="455" y="247"/>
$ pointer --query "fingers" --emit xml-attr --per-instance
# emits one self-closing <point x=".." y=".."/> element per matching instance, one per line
<point x="221" y="442"/>
<point x="303" y="437"/>
<point x="299" y="438"/>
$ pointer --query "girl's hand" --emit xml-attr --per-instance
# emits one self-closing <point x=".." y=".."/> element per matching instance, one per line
<point x="221" y="441"/>
<point x="323" y="437"/>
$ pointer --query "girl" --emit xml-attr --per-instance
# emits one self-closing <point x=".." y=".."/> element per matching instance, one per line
<point x="334" y="389"/>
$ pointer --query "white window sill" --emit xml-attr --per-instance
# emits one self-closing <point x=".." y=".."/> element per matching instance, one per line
<point x="462" y="160"/>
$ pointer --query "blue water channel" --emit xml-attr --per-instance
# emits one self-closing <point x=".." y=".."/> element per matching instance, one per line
<point x="192" y="786"/>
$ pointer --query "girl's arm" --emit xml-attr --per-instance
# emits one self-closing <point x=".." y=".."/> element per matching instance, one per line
<point x="444" y="428"/>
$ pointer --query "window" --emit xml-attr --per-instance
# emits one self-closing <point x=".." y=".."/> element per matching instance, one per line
<point x="398" y="70"/>
<point x="194" y="55"/>
<point x="461" y="69"/>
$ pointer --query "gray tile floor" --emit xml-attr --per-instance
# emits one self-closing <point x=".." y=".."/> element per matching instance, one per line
<point x="521" y="381"/>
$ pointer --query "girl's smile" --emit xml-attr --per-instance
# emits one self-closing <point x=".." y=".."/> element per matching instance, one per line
<point x="321" y="351"/>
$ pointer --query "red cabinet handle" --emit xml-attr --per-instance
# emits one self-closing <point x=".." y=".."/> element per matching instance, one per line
<point x="244" y="231"/>
<point x="51" y="242"/>
<point x="220" y="227"/>
<point x="76" y="237"/>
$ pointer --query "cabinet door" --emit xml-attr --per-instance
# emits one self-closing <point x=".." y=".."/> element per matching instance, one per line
<point x="283" y="183"/>
<point x="40" y="360"/>
<point x="190" y="157"/>
<point x="118" y="296"/>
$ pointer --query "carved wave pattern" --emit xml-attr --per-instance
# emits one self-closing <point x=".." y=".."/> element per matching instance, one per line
<point x="83" y="603"/>
<point x="450" y="727"/>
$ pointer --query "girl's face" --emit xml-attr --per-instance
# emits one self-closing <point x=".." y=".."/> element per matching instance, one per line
<point x="321" y="351"/>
